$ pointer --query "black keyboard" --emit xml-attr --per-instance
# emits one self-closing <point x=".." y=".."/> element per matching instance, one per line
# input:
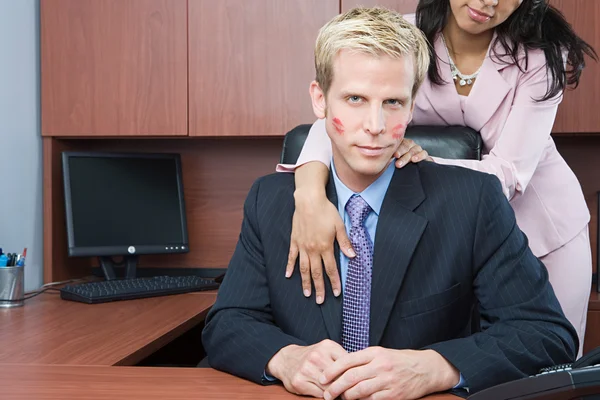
<point x="136" y="288"/>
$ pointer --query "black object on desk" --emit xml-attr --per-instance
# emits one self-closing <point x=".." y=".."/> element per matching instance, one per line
<point x="137" y="288"/>
<point x="124" y="204"/>
<point x="579" y="380"/>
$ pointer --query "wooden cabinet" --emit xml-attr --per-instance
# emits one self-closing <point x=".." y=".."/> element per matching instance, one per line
<point x="402" y="6"/>
<point x="578" y="112"/>
<point x="114" y="67"/>
<point x="251" y="63"/>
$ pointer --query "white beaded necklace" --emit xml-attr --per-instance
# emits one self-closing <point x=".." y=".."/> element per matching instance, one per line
<point x="456" y="74"/>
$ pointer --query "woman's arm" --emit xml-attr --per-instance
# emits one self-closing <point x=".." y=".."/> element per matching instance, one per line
<point x="316" y="224"/>
<point x="515" y="156"/>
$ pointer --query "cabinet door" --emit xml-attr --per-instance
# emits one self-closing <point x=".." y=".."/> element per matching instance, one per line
<point x="114" y="67"/>
<point x="402" y="6"/>
<point x="578" y="111"/>
<point x="251" y="63"/>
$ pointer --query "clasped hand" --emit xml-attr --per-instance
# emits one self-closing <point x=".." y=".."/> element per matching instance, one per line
<point x="326" y="370"/>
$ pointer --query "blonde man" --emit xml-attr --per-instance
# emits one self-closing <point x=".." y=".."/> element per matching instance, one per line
<point x="431" y="242"/>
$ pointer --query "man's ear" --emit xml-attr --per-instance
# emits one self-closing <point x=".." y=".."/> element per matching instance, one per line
<point x="318" y="100"/>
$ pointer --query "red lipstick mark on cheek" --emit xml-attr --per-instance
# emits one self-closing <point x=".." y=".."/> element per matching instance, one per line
<point x="398" y="131"/>
<point x="339" y="127"/>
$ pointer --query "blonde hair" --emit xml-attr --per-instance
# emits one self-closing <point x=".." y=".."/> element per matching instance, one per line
<point x="376" y="31"/>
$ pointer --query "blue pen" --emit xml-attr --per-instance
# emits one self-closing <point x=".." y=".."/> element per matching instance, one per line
<point x="3" y="260"/>
<point x="21" y="260"/>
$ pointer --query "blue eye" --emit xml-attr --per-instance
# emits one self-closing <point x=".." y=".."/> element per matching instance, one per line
<point x="354" y="99"/>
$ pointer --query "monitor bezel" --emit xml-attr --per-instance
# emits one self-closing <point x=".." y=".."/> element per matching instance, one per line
<point x="92" y="251"/>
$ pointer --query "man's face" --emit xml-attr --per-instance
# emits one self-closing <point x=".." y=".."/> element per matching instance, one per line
<point x="367" y="109"/>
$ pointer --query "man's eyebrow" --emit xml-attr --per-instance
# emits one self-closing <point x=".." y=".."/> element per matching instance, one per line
<point x="348" y="93"/>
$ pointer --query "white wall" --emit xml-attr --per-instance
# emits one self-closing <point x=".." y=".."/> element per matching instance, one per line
<point x="20" y="138"/>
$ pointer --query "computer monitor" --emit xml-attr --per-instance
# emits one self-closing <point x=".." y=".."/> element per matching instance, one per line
<point x="121" y="204"/>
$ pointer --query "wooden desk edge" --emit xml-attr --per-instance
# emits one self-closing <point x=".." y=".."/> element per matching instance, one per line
<point x="162" y="341"/>
<point x="45" y="381"/>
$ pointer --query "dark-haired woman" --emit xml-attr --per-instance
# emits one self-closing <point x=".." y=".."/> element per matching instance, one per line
<point x="500" y="67"/>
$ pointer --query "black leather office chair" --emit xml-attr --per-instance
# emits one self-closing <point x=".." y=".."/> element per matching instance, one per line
<point x="452" y="142"/>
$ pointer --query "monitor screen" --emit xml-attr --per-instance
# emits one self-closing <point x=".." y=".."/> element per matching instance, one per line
<point x="124" y="204"/>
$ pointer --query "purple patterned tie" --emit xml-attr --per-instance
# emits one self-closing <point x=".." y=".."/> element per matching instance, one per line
<point x="357" y="291"/>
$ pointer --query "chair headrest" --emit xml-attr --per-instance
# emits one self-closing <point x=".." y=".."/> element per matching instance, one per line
<point x="452" y="142"/>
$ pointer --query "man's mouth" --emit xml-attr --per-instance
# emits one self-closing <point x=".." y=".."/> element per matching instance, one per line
<point x="371" y="151"/>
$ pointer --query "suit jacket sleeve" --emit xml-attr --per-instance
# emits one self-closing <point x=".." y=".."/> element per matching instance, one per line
<point x="523" y="326"/>
<point x="240" y="336"/>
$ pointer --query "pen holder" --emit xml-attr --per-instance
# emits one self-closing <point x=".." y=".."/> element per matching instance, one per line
<point x="12" y="287"/>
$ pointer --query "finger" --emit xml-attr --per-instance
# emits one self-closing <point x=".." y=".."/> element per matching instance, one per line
<point x="414" y="151"/>
<point x="370" y="389"/>
<point x="341" y="365"/>
<point x="352" y="378"/>
<point x="403" y="160"/>
<point x="313" y="390"/>
<point x="292" y="256"/>
<point x="418" y="156"/>
<point x="305" y="388"/>
<point x="312" y="368"/>
<point x="404" y="147"/>
<point x="334" y="350"/>
<point x="305" y="273"/>
<point x="316" y="271"/>
<point x="332" y="273"/>
<point x="423" y="155"/>
<point x="342" y="239"/>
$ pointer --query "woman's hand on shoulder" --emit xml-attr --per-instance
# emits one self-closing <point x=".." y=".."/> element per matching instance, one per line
<point x="409" y="151"/>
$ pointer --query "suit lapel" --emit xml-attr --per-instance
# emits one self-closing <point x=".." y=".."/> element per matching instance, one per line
<point x="488" y="92"/>
<point x="331" y="309"/>
<point x="443" y="99"/>
<point x="398" y="233"/>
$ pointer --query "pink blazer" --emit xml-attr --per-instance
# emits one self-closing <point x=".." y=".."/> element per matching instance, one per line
<point x="543" y="191"/>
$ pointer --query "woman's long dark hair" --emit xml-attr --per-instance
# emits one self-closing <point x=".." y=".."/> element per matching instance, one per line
<point x="534" y="25"/>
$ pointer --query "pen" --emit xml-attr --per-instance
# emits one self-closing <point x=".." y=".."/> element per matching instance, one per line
<point x="21" y="260"/>
<point x="3" y="260"/>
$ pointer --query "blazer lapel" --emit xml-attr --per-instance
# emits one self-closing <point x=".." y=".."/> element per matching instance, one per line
<point x="488" y="92"/>
<point x="398" y="233"/>
<point x="331" y="309"/>
<point x="443" y="99"/>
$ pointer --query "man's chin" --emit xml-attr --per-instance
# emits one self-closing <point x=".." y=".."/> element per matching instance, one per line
<point x="371" y="168"/>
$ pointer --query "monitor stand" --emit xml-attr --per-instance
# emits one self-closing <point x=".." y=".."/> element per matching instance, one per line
<point x="108" y="266"/>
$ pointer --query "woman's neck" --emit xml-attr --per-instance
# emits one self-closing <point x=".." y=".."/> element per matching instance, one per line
<point x="464" y="44"/>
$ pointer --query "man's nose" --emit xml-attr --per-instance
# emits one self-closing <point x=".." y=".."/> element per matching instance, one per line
<point x="375" y="122"/>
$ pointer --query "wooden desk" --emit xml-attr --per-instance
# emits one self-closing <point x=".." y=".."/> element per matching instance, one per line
<point x="48" y="330"/>
<point x="50" y="382"/>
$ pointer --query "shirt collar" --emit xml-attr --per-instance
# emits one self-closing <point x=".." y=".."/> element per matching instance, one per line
<point x="373" y="194"/>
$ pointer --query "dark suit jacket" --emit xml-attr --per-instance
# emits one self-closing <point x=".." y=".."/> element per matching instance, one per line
<point x="446" y="240"/>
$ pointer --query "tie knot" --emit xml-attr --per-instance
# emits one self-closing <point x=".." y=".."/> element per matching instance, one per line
<point x="358" y="209"/>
